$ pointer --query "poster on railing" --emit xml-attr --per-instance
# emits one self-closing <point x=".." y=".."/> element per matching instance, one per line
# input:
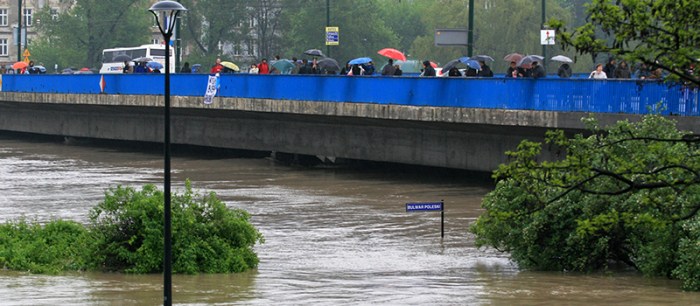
<point x="212" y="87"/>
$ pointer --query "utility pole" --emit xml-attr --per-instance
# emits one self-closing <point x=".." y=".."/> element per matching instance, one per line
<point x="178" y="43"/>
<point x="328" y="24"/>
<point x="470" y="31"/>
<point x="544" y="47"/>
<point x="19" y="30"/>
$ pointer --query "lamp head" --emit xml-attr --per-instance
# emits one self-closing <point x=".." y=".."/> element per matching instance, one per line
<point x="166" y="12"/>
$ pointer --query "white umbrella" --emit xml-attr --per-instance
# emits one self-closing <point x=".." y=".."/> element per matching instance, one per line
<point x="561" y="58"/>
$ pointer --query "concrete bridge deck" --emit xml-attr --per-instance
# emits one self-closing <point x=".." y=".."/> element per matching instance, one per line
<point x="443" y="136"/>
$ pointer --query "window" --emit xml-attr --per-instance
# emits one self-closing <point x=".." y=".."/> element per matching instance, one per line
<point x="3" y="17"/>
<point x="155" y="41"/>
<point x="54" y="14"/>
<point x="28" y="17"/>
<point x="3" y="46"/>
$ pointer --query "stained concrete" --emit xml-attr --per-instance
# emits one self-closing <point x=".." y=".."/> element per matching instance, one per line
<point x="461" y="138"/>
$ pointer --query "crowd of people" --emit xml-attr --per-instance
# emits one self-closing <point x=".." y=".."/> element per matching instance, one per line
<point x="612" y="70"/>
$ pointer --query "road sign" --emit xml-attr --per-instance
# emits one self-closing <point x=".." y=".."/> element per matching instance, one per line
<point x="431" y="206"/>
<point x="26" y="53"/>
<point x="547" y="37"/>
<point x="332" y="36"/>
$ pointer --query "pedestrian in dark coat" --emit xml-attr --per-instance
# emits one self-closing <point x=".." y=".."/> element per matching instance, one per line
<point x="622" y="71"/>
<point x="538" y="71"/>
<point x="389" y="68"/>
<point x="610" y="67"/>
<point x="428" y="70"/>
<point x="564" y="71"/>
<point x="485" y="70"/>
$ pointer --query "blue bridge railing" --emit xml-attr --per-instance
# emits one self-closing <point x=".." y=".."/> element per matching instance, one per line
<point x="575" y="95"/>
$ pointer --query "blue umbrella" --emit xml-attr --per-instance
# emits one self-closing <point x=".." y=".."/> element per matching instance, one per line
<point x="464" y="60"/>
<point x="473" y="64"/>
<point x="154" y="65"/>
<point x="360" y="61"/>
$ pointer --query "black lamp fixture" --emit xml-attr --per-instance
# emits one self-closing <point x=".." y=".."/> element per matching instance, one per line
<point x="166" y="12"/>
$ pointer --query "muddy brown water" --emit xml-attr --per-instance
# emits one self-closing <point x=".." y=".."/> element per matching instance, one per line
<point x="334" y="235"/>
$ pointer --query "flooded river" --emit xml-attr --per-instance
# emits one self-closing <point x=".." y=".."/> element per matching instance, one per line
<point x="334" y="235"/>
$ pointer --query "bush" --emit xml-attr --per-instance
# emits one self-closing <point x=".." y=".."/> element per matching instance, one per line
<point x="126" y="234"/>
<point x="630" y="193"/>
<point x="206" y="235"/>
<point x="52" y="248"/>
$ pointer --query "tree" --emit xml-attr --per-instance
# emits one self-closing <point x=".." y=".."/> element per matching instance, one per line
<point x="491" y="37"/>
<point x="659" y="33"/>
<point x="629" y="193"/>
<point x="210" y="26"/>
<point x="362" y="29"/>
<point x="78" y="35"/>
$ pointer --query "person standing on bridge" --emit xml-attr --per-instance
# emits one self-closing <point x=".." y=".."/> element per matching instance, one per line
<point x="598" y="73"/>
<point x="428" y="70"/>
<point x="217" y="67"/>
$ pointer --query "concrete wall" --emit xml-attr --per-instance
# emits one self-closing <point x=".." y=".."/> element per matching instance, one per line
<point x="462" y="138"/>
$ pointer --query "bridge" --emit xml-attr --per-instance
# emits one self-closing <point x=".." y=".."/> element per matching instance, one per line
<point x="459" y="123"/>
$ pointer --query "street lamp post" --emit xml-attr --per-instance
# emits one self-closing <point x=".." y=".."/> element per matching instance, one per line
<point x="166" y="12"/>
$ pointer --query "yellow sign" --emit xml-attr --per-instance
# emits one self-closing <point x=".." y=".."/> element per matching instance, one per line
<point x="26" y="55"/>
<point x="332" y="37"/>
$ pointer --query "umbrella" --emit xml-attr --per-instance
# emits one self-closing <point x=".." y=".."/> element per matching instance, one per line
<point x="360" y="61"/>
<point x="142" y="59"/>
<point x="392" y="54"/>
<point x="121" y="58"/>
<point x="231" y="66"/>
<point x="328" y="64"/>
<point x="528" y="60"/>
<point x="561" y="58"/>
<point x="462" y="60"/>
<point x="482" y="58"/>
<point x="154" y="65"/>
<point x="284" y="66"/>
<point x="433" y="64"/>
<point x="19" y="65"/>
<point x="67" y="71"/>
<point x="196" y="68"/>
<point x="314" y="52"/>
<point x="513" y="57"/>
<point x="41" y="69"/>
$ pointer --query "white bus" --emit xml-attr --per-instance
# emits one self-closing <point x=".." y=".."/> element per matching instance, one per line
<point x="113" y="59"/>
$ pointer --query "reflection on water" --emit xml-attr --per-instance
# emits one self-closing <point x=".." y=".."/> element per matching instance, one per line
<point x="333" y="236"/>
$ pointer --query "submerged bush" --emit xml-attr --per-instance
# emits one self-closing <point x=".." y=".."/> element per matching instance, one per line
<point x="51" y="248"/>
<point x="125" y="234"/>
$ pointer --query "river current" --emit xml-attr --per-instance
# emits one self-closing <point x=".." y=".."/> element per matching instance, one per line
<point x="335" y="235"/>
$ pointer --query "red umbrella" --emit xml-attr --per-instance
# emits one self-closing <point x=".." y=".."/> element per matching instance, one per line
<point x="433" y="64"/>
<point x="85" y="69"/>
<point x="393" y="54"/>
<point x="513" y="57"/>
<point x="20" y="65"/>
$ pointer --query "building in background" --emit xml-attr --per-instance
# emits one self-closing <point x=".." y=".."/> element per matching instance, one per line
<point x="9" y="21"/>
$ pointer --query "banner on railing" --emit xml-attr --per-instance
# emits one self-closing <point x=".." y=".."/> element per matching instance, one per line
<point x="212" y="87"/>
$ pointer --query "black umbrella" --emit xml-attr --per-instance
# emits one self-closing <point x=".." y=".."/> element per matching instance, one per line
<point x="314" y="52"/>
<point x="121" y="58"/>
<point x="328" y="64"/>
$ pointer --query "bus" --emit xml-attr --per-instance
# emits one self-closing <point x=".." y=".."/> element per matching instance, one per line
<point x="113" y="59"/>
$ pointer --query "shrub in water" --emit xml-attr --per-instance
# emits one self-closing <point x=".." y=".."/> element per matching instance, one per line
<point x="127" y="228"/>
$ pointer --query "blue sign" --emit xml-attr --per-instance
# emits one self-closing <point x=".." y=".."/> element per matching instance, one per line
<point x="430" y="206"/>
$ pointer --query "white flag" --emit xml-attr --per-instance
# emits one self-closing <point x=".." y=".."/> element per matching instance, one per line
<point x="212" y="87"/>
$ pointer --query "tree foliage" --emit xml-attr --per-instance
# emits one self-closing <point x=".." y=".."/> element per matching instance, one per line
<point x="660" y="33"/>
<point x="629" y="193"/>
<point x="126" y="234"/>
<point x="78" y="35"/>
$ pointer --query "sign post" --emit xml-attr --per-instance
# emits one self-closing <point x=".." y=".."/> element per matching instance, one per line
<point x="332" y="36"/>
<point x="430" y="206"/>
